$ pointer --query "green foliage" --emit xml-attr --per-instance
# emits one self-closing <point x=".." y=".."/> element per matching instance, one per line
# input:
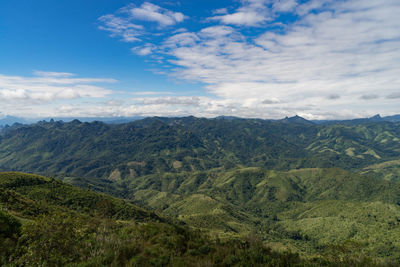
<point x="9" y="226"/>
<point x="10" y="229"/>
<point x="68" y="236"/>
<point x="308" y="209"/>
<point x="153" y="145"/>
<point x="64" y="236"/>
<point x="33" y="195"/>
<point x="314" y="189"/>
<point x="60" y="240"/>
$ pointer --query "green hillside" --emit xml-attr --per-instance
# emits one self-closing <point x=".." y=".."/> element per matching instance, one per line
<point x="388" y="170"/>
<point x="306" y="209"/>
<point x="41" y="228"/>
<point x="155" y="145"/>
<point x="32" y="195"/>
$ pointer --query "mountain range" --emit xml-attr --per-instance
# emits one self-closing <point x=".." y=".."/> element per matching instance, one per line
<point x="294" y="184"/>
<point x="10" y="120"/>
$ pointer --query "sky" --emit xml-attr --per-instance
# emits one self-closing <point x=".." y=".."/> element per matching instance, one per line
<point x="319" y="59"/>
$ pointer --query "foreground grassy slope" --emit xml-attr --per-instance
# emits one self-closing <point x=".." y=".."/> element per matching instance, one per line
<point x="32" y="195"/>
<point x="48" y="230"/>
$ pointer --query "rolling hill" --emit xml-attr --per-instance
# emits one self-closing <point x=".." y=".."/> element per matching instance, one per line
<point x="45" y="222"/>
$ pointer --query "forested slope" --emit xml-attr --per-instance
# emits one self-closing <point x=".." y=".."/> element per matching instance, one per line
<point x="187" y="144"/>
<point x="41" y="228"/>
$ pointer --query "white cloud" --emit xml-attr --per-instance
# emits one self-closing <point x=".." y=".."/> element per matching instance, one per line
<point x="125" y="25"/>
<point x="245" y="18"/>
<point x="179" y="100"/>
<point x="216" y="32"/>
<point x="220" y="11"/>
<point x="52" y="74"/>
<point x="148" y="93"/>
<point x="284" y="5"/>
<point x="312" y="5"/>
<point x="251" y="13"/>
<point x="49" y="86"/>
<point x="121" y="27"/>
<point x="256" y="12"/>
<point x="151" y="12"/>
<point x="338" y="59"/>
<point x="345" y="49"/>
<point x="145" y="50"/>
<point x="181" y="39"/>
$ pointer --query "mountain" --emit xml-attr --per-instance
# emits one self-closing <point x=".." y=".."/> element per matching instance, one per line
<point x="296" y="119"/>
<point x="156" y="145"/>
<point x="376" y="118"/>
<point x="10" y="120"/>
<point x="394" y="118"/>
<point x="294" y="184"/>
<point x="111" y="120"/>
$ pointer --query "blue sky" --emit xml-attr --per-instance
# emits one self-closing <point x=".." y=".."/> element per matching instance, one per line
<point x="320" y="59"/>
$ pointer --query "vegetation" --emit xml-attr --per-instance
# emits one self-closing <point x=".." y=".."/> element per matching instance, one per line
<point x="55" y="234"/>
<point x="307" y="210"/>
<point x="154" y="145"/>
<point x="226" y="191"/>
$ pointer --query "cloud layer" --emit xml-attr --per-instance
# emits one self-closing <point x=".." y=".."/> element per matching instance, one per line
<point x="321" y="59"/>
<point x="251" y="13"/>
<point x="125" y="24"/>
<point x="32" y="94"/>
<point x="319" y="64"/>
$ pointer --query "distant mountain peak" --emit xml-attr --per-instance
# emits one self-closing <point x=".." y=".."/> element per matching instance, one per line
<point x="296" y="119"/>
<point x="376" y="117"/>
